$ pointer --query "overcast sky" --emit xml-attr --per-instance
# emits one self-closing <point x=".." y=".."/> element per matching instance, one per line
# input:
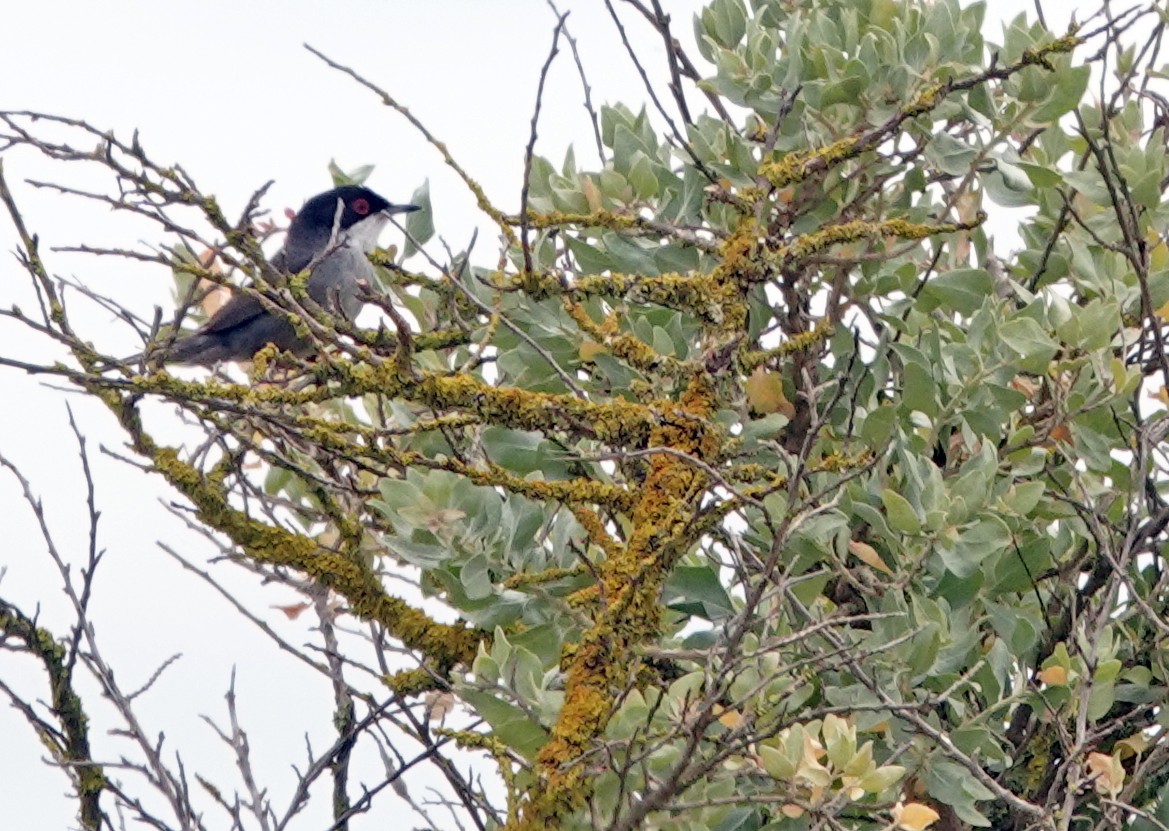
<point x="227" y="89"/>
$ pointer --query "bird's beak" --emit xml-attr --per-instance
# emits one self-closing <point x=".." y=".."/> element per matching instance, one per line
<point x="400" y="209"/>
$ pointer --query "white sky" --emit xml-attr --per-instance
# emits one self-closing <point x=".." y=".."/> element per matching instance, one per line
<point x="226" y="89"/>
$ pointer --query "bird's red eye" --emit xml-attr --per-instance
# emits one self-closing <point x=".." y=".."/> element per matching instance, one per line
<point x="360" y="207"/>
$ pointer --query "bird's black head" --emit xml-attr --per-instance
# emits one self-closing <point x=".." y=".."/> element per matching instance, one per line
<point x="357" y="203"/>
<point x="356" y="214"/>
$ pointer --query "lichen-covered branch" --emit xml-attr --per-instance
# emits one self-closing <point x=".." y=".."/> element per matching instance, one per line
<point x="68" y="739"/>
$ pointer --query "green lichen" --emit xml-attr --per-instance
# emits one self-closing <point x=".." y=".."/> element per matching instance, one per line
<point x="524" y="580"/>
<point x="69" y="745"/>
<point x="813" y="243"/>
<point x="595" y="219"/>
<point x="445" y="645"/>
<point x="751" y="359"/>
<point x="631" y="580"/>
<point x="412" y="682"/>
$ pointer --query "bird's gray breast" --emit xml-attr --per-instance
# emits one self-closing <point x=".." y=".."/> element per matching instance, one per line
<point x="335" y="280"/>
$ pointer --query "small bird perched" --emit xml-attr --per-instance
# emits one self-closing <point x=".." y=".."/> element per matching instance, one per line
<point x="331" y="234"/>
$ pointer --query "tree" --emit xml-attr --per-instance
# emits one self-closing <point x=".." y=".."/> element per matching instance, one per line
<point x="767" y="491"/>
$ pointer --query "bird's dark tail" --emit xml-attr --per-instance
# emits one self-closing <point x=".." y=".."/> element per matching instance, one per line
<point x="196" y="348"/>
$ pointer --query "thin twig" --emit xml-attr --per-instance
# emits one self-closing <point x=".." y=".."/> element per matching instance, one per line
<point x="529" y="152"/>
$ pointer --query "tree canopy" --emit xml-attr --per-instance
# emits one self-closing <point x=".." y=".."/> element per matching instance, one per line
<point x="768" y="490"/>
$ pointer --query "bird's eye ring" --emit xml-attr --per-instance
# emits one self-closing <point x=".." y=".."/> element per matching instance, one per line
<point x="360" y="207"/>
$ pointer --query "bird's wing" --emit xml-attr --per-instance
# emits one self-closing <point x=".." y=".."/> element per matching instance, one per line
<point x="279" y="261"/>
<point x="301" y="246"/>
<point x="295" y="259"/>
<point x="241" y="309"/>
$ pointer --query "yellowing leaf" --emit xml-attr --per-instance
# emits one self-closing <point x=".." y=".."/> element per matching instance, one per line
<point x="813" y="750"/>
<point x="765" y="393"/>
<point x="592" y="194"/>
<point x="957" y="445"/>
<point x="438" y="705"/>
<point x="834" y="726"/>
<point x="868" y="555"/>
<point x="810" y="769"/>
<point x="590" y="349"/>
<point x="883" y="777"/>
<point x="1132" y="746"/>
<point x="293" y="611"/>
<point x="1163" y="311"/>
<point x="1054" y="676"/>
<point x="839" y="739"/>
<point x="1060" y="433"/>
<point x="216" y="297"/>
<point x="1107" y="773"/>
<point x="1120" y="374"/>
<point x="850" y="788"/>
<point x="914" y="816"/>
<point x="861" y="763"/>
<point x="1026" y="385"/>
<point x="792" y="811"/>
<point x="730" y="719"/>
<point x="1159" y="257"/>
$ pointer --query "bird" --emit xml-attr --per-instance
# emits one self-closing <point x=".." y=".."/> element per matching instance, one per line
<point x="330" y="235"/>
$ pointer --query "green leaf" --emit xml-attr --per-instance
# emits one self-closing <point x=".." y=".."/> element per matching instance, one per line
<point x="523" y="453"/>
<point x="508" y="723"/>
<point x="592" y="260"/>
<point x="641" y="176"/>
<point x="845" y="91"/>
<point x="861" y="761"/>
<point x="1008" y="185"/>
<point x="277" y="479"/>
<point x="1103" y="694"/>
<point x="921" y="391"/>
<point x="951" y="155"/>
<point x="476" y="579"/>
<point x="1023" y="497"/>
<point x="962" y="290"/>
<point x="725" y="21"/>
<point x="420" y="223"/>
<point x="1068" y="88"/>
<point x="629" y="255"/>
<point x="663" y="344"/>
<point x="740" y="819"/>
<point x="1024" y="337"/>
<point x="954" y="785"/>
<point x="877" y="427"/>
<point x="676" y="258"/>
<point x="902" y="516"/>
<point x="975" y="543"/>
<point x="1013" y="177"/>
<point x="1091" y="327"/>
<point x="697" y="590"/>
<point x="776" y="763"/>
<point x="1042" y="176"/>
<point x="357" y="176"/>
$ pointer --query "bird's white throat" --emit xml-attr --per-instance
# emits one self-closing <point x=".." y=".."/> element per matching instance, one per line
<point x="364" y="234"/>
